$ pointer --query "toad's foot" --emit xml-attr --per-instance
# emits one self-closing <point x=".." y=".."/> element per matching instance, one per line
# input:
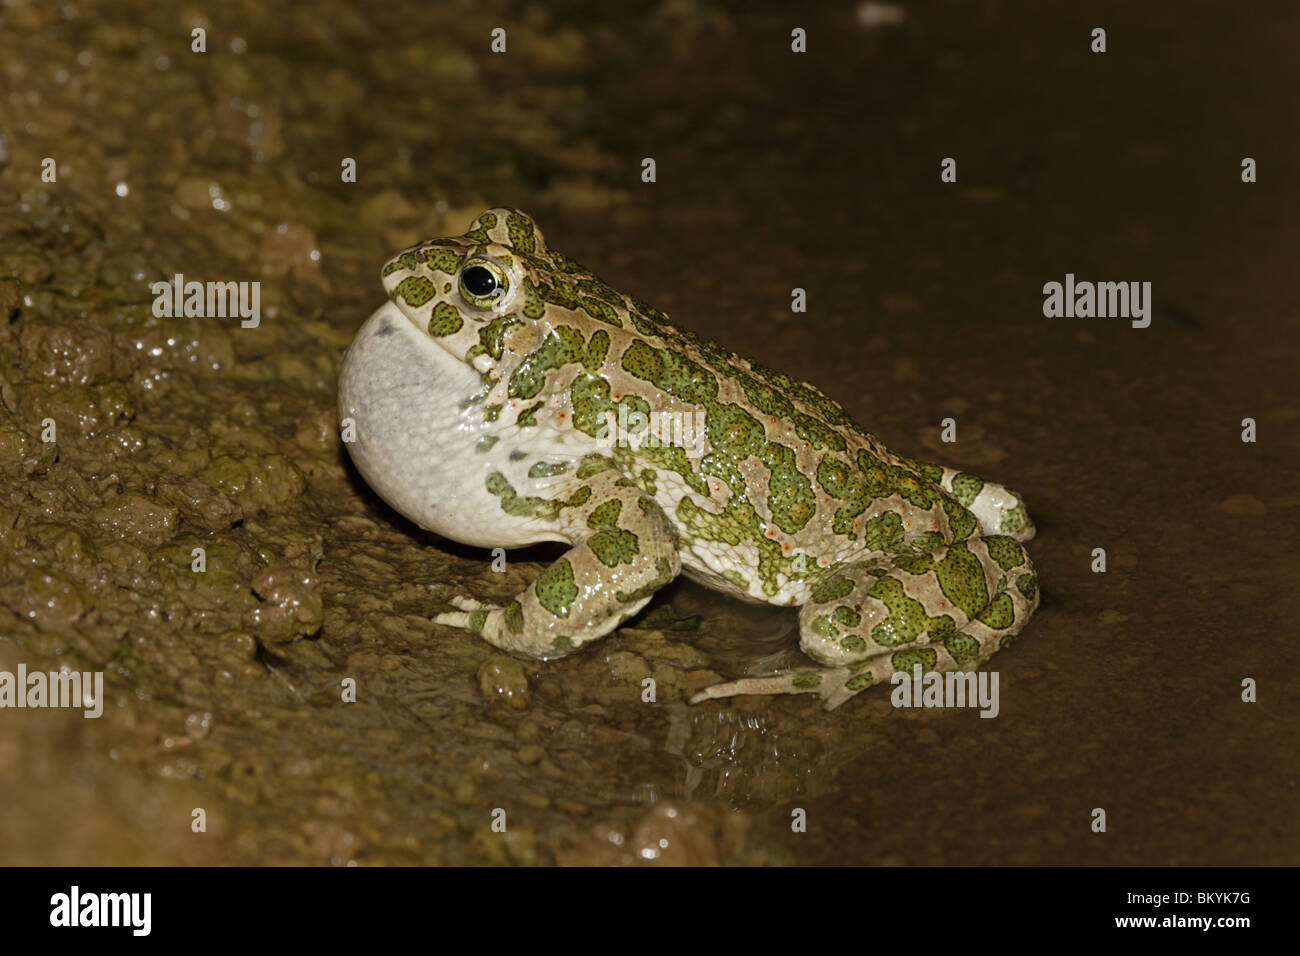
<point x="460" y="618"/>
<point x="624" y="551"/>
<point x="834" y="685"/>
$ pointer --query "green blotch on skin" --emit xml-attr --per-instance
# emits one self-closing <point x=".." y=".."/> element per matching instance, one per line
<point x="590" y="396"/>
<point x="528" y="417"/>
<point x="597" y="350"/>
<point x="563" y="346"/>
<point x="443" y="260"/>
<point x="771" y="561"/>
<point x="966" y="488"/>
<point x="559" y="292"/>
<point x="531" y="506"/>
<point x="555" y="588"/>
<point x="642" y="361"/>
<point x="883" y="480"/>
<point x="844" y="485"/>
<point x="514" y="617"/>
<point x="534" y="300"/>
<point x="593" y="464"/>
<point x="1000" y="614"/>
<point x="1028" y="586"/>
<point x="1005" y="551"/>
<point x="914" y="563"/>
<point x="548" y="469"/>
<point x="906" y="660"/>
<point x="485" y="443"/>
<point x="614" y="546"/>
<point x="821" y="626"/>
<point x="832" y="589"/>
<point x="860" y="682"/>
<point x="611" y="544"/>
<point x="847" y="616"/>
<point x="562" y="644"/>
<point x="928" y="471"/>
<point x="491" y="337"/>
<point x="815" y="433"/>
<point x="853" y="644"/>
<point x="676" y="374"/>
<point x="828" y="409"/>
<point x="415" y="290"/>
<point x="408" y="260"/>
<point x="913" y="488"/>
<point x="738" y="579"/>
<point x="476" y="621"/>
<point x="906" y="619"/>
<point x="522" y="232"/>
<point x="606" y="515"/>
<point x="1015" y="520"/>
<point x="566" y="265"/>
<point x="884" y="532"/>
<point x="673" y="458"/>
<point x="655" y="320"/>
<point x="941" y="627"/>
<point x="479" y="233"/>
<point x="790" y="495"/>
<point x="963" y="648"/>
<point x="734" y="433"/>
<point x="763" y="397"/>
<point x="961" y="521"/>
<point x="445" y="320"/>
<point x="928" y="541"/>
<point x="806" y="680"/>
<point x="595" y="287"/>
<point x="961" y="578"/>
<point x="601" y="311"/>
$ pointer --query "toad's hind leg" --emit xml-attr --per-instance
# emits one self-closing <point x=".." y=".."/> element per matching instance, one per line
<point x="624" y="552"/>
<point x="946" y="610"/>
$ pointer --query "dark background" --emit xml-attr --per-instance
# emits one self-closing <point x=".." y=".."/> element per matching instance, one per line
<point x="775" y="170"/>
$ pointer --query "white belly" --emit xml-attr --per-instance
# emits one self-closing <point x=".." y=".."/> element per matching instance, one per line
<point x="417" y="445"/>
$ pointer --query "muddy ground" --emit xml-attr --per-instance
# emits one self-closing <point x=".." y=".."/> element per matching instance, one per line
<point x="775" y="170"/>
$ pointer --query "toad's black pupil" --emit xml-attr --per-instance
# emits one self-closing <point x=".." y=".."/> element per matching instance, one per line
<point x="479" y="281"/>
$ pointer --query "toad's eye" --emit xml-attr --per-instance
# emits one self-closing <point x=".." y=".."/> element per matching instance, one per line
<point x="483" y="282"/>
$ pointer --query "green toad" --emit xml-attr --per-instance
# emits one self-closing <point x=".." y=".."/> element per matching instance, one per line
<point x="505" y="395"/>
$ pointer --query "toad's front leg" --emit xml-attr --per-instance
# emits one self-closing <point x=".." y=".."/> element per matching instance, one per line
<point x="624" y="551"/>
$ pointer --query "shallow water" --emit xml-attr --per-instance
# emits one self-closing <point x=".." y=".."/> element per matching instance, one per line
<point x="774" y="171"/>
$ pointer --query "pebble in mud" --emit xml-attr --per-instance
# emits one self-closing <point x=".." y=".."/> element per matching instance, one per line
<point x="503" y="677"/>
<point x="291" y="605"/>
<point x="79" y="354"/>
<point x="200" y="504"/>
<point x="85" y="410"/>
<point x="255" y="481"/>
<point x="138" y="518"/>
<point x="49" y="600"/>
